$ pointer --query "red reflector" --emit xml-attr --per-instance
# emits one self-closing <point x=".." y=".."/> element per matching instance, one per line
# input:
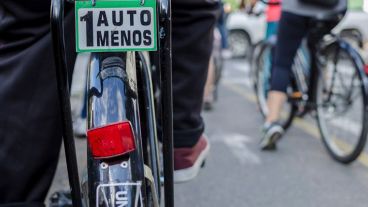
<point x="366" y="69"/>
<point x="111" y="140"/>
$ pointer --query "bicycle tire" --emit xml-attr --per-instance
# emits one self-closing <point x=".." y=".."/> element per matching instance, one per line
<point x="336" y="145"/>
<point x="262" y="72"/>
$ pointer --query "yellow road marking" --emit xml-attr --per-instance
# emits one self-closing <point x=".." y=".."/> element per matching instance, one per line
<point x="298" y="122"/>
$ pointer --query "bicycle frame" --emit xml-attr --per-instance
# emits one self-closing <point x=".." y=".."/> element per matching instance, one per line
<point x="316" y="45"/>
<point x="164" y="68"/>
<point x="306" y="85"/>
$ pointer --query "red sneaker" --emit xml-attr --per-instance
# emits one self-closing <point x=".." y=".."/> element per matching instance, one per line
<point x="188" y="161"/>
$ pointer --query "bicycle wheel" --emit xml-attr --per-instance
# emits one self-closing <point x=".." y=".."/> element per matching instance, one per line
<point x="262" y="86"/>
<point x="341" y="97"/>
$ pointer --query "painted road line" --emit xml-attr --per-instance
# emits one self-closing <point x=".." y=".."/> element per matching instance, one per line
<point x="240" y="80"/>
<point x="238" y="144"/>
<point x="240" y="91"/>
<point x="298" y="122"/>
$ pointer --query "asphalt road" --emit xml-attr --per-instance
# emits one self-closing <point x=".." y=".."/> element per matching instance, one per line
<point x="237" y="174"/>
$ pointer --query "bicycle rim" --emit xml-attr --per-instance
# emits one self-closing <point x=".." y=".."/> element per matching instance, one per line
<point x="341" y="112"/>
<point x="263" y="84"/>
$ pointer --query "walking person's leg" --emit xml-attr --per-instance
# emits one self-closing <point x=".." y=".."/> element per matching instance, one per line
<point x="291" y="30"/>
<point x="209" y="88"/>
<point x="30" y="134"/>
<point x="192" y="36"/>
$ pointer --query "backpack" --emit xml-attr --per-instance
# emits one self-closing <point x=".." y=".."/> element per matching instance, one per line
<point x="322" y="3"/>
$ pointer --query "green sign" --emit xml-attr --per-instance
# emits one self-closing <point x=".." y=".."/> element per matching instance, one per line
<point x="113" y="26"/>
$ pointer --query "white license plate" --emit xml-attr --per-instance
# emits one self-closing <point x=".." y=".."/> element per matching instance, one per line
<point x="112" y="26"/>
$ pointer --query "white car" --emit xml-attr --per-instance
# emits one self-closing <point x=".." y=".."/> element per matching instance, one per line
<point x="354" y="26"/>
<point x="246" y="30"/>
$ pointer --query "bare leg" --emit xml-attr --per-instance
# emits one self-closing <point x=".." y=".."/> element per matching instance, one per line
<point x="275" y="101"/>
<point x="273" y="132"/>
<point x="208" y="90"/>
<point x="292" y="29"/>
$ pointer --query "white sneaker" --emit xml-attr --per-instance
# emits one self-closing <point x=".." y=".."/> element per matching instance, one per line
<point x="271" y="134"/>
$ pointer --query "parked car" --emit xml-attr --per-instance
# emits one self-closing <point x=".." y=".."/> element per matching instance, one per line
<point x="354" y="27"/>
<point x="246" y="30"/>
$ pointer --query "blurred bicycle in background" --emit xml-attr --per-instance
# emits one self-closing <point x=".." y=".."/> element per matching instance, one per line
<point x="328" y="82"/>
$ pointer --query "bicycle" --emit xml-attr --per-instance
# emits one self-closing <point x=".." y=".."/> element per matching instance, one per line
<point x="123" y="153"/>
<point x="329" y="81"/>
